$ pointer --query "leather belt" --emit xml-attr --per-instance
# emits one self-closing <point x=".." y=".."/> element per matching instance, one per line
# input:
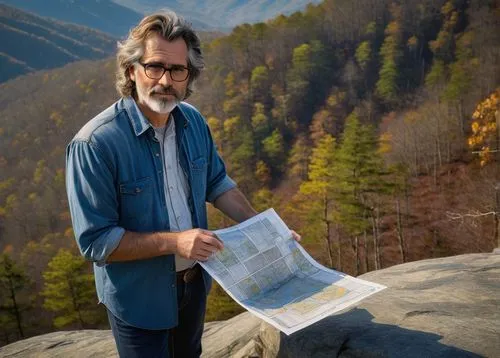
<point x="188" y="275"/>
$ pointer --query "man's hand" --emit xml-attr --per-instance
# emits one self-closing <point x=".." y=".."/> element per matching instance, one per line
<point x="197" y="244"/>
<point x="296" y="236"/>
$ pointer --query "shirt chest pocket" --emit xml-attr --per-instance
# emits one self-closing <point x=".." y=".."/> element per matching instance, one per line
<point x="199" y="181"/>
<point x="136" y="199"/>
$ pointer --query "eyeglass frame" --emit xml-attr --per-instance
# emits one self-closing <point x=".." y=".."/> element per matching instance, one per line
<point x="165" y="69"/>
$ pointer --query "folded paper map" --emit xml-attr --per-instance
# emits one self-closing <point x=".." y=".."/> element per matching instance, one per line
<point x="267" y="272"/>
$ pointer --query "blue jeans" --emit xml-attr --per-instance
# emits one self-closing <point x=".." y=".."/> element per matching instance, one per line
<point x="182" y="341"/>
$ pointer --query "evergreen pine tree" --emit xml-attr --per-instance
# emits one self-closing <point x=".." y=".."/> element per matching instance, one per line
<point x="359" y="171"/>
<point x="69" y="290"/>
<point x="13" y="280"/>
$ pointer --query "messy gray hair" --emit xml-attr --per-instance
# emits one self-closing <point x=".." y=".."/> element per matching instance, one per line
<point x="171" y="27"/>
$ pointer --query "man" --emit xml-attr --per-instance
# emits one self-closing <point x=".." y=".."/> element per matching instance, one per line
<point x="138" y="177"/>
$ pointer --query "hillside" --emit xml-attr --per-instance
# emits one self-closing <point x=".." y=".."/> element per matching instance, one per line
<point x="103" y="15"/>
<point x="224" y="13"/>
<point x="33" y="43"/>
<point x="373" y="138"/>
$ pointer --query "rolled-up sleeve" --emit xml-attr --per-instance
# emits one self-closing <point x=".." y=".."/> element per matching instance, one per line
<point x="92" y="201"/>
<point x="218" y="182"/>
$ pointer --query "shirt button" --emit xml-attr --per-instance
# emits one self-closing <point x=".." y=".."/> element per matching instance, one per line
<point x="157" y="154"/>
<point x="171" y="188"/>
<point x="173" y="285"/>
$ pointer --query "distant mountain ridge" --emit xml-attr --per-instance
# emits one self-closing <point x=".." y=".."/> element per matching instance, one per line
<point x="33" y="43"/>
<point x="116" y="17"/>
<point x="103" y="15"/>
<point x="222" y="13"/>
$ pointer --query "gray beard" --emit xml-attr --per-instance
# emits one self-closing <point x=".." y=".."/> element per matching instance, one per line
<point x="158" y="105"/>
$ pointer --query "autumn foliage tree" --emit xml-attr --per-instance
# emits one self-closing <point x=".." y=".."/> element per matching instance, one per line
<point x="316" y="196"/>
<point x="485" y="138"/>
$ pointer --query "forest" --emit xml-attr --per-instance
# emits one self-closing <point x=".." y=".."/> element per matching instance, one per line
<point x="371" y="126"/>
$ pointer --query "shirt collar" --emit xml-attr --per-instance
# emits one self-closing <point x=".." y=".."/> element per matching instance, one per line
<point x="138" y="120"/>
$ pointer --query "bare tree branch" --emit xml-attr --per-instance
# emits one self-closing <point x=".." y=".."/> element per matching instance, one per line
<point x="471" y="214"/>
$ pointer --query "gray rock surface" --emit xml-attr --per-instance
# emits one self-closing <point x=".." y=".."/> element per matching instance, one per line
<point x="232" y="338"/>
<point x="448" y="307"/>
<point x="235" y="337"/>
<point x="65" y="344"/>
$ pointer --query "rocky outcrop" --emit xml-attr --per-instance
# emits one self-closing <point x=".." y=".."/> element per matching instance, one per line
<point x="448" y="307"/>
<point x="86" y="343"/>
<point x="232" y="338"/>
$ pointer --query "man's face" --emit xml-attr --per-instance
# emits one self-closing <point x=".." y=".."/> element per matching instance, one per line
<point x="160" y="95"/>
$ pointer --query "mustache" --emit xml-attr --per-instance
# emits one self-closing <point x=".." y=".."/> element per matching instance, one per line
<point x="164" y="90"/>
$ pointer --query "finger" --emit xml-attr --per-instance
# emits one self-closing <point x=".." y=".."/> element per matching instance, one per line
<point x="296" y="236"/>
<point x="206" y="251"/>
<point x="202" y="257"/>
<point x="214" y="242"/>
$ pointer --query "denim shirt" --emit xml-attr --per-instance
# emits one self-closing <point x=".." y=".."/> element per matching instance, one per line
<point x="114" y="181"/>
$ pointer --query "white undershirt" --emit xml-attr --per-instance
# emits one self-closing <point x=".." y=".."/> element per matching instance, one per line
<point x="176" y="187"/>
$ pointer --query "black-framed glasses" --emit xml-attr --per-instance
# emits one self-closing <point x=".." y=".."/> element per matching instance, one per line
<point x="155" y="71"/>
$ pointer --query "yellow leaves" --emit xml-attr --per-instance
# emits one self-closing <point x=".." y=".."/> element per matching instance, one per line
<point x="392" y="29"/>
<point x="447" y="8"/>
<point x="57" y="118"/>
<point x="231" y="125"/>
<point x="475" y="125"/>
<point x="68" y="233"/>
<point x="411" y="117"/>
<point x="59" y="178"/>
<point x="262" y="172"/>
<point x="484" y="127"/>
<point x="385" y="143"/>
<point x="336" y="99"/>
<point x="39" y="171"/>
<point x="412" y="41"/>
<point x="484" y="155"/>
<point x="6" y="184"/>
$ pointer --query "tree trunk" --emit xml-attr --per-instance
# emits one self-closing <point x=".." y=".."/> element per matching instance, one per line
<point x="496" y="234"/>
<point x="376" y="234"/>
<point x="461" y="117"/>
<point x="339" y="251"/>
<point x="399" y="229"/>
<point x="356" y="254"/>
<point x="76" y="306"/>
<point x="435" y="175"/>
<point x="496" y="215"/>
<point x="438" y="141"/>
<point x="17" y="312"/>
<point x="367" y="266"/>
<point x="327" y="233"/>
